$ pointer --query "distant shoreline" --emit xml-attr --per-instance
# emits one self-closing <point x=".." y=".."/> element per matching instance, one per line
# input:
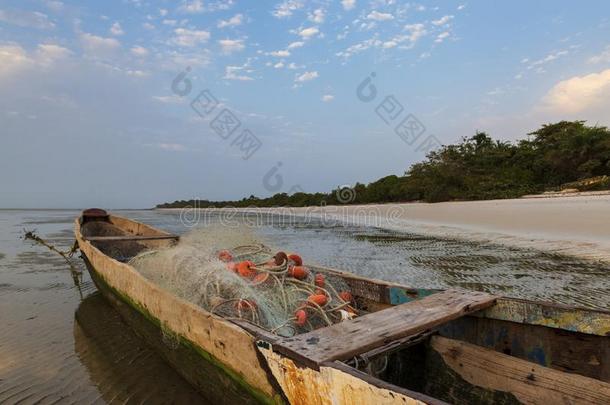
<point x="576" y="225"/>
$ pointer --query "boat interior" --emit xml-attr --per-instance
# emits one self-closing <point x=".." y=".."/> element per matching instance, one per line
<point x="454" y="345"/>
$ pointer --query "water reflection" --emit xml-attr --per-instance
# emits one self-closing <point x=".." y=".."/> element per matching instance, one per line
<point x="119" y="363"/>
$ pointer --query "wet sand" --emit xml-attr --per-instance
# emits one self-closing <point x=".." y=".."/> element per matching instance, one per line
<point x="571" y="225"/>
<point x="63" y="344"/>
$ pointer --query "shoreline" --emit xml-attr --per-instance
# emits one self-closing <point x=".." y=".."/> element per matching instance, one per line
<point x="575" y="225"/>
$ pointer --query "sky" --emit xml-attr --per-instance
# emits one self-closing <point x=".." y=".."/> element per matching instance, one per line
<point x="131" y="103"/>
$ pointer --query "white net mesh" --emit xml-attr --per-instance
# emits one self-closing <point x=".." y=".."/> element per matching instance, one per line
<point x="227" y="272"/>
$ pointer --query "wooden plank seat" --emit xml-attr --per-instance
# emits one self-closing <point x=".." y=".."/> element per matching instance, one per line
<point x="125" y="238"/>
<point x="500" y="373"/>
<point x="347" y="339"/>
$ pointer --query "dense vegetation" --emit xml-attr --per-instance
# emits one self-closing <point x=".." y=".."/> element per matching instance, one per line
<point x="477" y="168"/>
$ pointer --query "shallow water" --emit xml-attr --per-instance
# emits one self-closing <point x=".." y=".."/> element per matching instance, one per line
<point x="47" y="356"/>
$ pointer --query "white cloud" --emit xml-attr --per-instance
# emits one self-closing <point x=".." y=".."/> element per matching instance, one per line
<point x="442" y="36"/>
<point x="604" y="56"/>
<point x="234" y="73"/>
<point x="403" y="41"/>
<point x="234" y="21"/>
<point x="377" y="16"/>
<point x="29" y="19"/>
<point x="47" y="53"/>
<point x="190" y="38"/>
<point x="280" y="54"/>
<point x="279" y="65"/>
<point x="14" y="58"/>
<point x="307" y="33"/>
<point x="348" y="4"/>
<point x="296" y="44"/>
<point x="148" y="26"/>
<point x="416" y="31"/>
<point x="294" y="66"/>
<point x="99" y="47"/>
<point x="191" y="7"/>
<point x="307" y="76"/>
<point x="317" y="16"/>
<point x="549" y="58"/>
<point x="360" y="47"/>
<point x="285" y="9"/>
<point x="327" y="98"/>
<point x="163" y="12"/>
<point x="139" y="51"/>
<point x="231" y="45"/>
<point x="579" y="93"/>
<point x="461" y="6"/>
<point x="169" y="22"/>
<point x="368" y="25"/>
<point x="443" y="20"/>
<point x="116" y="29"/>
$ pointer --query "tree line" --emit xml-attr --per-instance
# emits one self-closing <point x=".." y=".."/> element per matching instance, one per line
<point x="476" y="168"/>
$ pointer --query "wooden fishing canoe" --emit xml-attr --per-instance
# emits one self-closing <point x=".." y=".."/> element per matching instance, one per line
<point x="416" y="346"/>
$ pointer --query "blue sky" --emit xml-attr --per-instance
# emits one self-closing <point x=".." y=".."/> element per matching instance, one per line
<point x="89" y="115"/>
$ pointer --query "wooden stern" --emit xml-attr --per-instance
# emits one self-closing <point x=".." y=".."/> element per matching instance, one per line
<point x="347" y="339"/>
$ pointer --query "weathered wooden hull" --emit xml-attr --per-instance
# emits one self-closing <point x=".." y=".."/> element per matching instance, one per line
<point x="213" y="354"/>
<point x="205" y="373"/>
<point x="119" y="364"/>
<point x="231" y="362"/>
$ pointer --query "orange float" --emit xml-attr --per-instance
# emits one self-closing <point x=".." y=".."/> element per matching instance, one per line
<point x="245" y="269"/>
<point x="319" y="280"/>
<point x="320" y="299"/>
<point x="346" y="296"/>
<point x="225" y="256"/>
<point x="298" y="272"/>
<point x="260" y="278"/>
<point x="320" y="291"/>
<point x="301" y="317"/>
<point x="296" y="259"/>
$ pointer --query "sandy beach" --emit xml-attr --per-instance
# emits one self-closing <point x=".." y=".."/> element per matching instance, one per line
<point x="573" y="225"/>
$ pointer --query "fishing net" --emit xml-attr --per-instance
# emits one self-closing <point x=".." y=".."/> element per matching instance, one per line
<point x="249" y="281"/>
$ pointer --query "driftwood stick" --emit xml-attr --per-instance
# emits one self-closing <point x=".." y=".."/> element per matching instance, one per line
<point x="76" y="273"/>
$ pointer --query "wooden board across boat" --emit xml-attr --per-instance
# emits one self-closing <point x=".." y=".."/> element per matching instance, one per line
<point x="417" y="346"/>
